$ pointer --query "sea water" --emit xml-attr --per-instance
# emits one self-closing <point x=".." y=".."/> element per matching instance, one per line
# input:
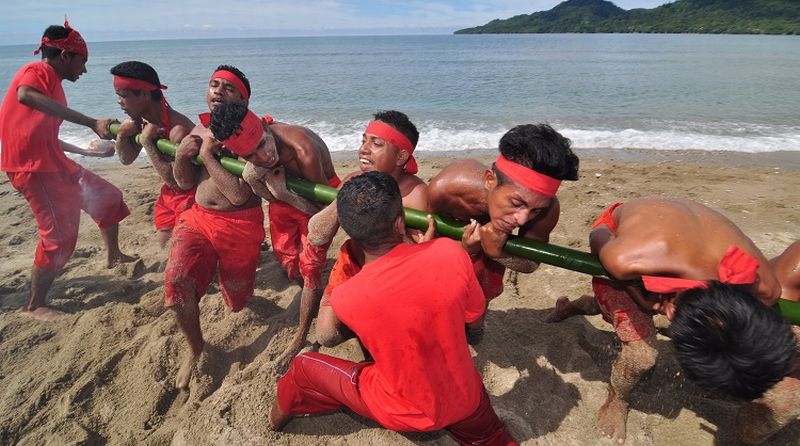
<point x="652" y="91"/>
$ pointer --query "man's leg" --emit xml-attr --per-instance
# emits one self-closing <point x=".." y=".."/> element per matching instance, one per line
<point x="481" y="428"/>
<point x="285" y="237"/>
<point x="111" y="240"/>
<point x="762" y="418"/>
<point x="635" y="358"/>
<point x="565" y="308"/>
<point x="41" y="281"/>
<point x="187" y="314"/>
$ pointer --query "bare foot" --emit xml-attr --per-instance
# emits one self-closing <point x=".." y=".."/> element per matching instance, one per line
<point x="120" y="258"/>
<point x="611" y="419"/>
<point x="185" y="372"/>
<point x="46" y="314"/>
<point x="561" y="311"/>
<point x="277" y="418"/>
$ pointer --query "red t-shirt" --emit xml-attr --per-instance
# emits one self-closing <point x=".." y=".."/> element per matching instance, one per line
<point x="409" y="308"/>
<point x="29" y="138"/>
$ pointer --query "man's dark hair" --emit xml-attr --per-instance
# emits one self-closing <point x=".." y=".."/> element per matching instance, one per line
<point x="226" y="119"/>
<point x="368" y="206"/>
<point x="139" y="70"/>
<point x="238" y="74"/>
<point x="54" y="32"/>
<point x="400" y="122"/>
<point x="727" y="340"/>
<point x="540" y="148"/>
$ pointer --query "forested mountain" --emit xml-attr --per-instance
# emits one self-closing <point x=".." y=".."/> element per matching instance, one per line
<point x="682" y="16"/>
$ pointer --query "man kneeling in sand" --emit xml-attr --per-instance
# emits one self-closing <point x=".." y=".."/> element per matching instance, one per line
<point x="517" y="191"/>
<point x="408" y="305"/>
<point x="780" y="405"/>
<point x="223" y="230"/>
<point x="707" y="277"/>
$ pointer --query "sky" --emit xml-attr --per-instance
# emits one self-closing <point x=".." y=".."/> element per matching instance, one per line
<point x="24" y="21"/>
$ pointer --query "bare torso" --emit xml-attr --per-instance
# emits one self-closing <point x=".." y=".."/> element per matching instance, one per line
<point x="787" y="269"/>
<point x="302" y="152"/>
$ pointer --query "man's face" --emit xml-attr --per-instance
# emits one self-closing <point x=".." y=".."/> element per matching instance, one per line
<point x="265" y="154"/>
<point x="221" y="91"/>
<point x="656" y="303"/>
<point x="132" y="104"/>
<point x="378" y="155"/>
<point x="511" y="205"/>
<point x="75" y="65"/>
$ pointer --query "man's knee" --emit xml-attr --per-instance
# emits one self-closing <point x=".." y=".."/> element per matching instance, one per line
<point x="642" y="354"/>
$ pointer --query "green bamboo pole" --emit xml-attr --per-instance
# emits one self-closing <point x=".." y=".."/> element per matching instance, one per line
<point x="535" y="250"/>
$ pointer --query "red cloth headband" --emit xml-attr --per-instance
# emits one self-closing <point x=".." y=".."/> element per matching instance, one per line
<point x="397" y="139"/>
<point x="527" y="177"/>
<point x="736" y="268"/>
<point x="129" y="83"/>
<point x="233" y="79"/>
<point x="73" y="43"/>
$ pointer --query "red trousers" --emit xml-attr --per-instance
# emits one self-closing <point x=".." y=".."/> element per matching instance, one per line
<point x="288" y="231"/>
<point x="318" y="383"/>
<point x="204" y="239"/>
<point x="169" y="206"/>
<point x="56" y="199"/>
<point x="490" y="276"/>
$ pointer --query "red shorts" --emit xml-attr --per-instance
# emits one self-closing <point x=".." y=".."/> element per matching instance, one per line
<point x="288" y="231"/>
<point x="169" y="206"/>
<point x="56" y="200"/>
<point x="490" y="276"/>
<point x="346" y="266"/>
<point x="318" y="383"/>
<point x="607" y="218"/>
<point x="203" y="239"/>
<point x="628" y="319"/>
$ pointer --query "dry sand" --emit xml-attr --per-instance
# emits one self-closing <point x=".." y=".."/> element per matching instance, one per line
<point x="104" y="375"/>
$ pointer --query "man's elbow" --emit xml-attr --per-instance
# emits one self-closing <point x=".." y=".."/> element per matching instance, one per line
<point x="24" y="96"/>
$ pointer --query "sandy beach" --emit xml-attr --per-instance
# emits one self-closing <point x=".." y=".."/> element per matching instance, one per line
<point x="105" y="374"/>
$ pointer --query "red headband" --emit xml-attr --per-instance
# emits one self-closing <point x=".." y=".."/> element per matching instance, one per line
<point x="233" y="79"/>
<point x="244" y="140"/>
<point x="73" y="43"/>
<point x="397" y="139"/>
<point x="129" y="83"/>
<point x="527" y="177"/>
<point x="736" y="268"/>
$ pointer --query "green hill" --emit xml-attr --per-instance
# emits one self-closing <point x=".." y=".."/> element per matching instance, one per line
<point x="682" y="16"/>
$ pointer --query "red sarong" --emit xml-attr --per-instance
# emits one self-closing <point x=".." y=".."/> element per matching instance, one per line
<point x="204" y="239"/>
<point x="56" y="200"/>
<point x="619" y="309"/>
<point x="288" y="231"/>
<point x="318" y="383"/>
<point x="169" y="206"/>
<point x="490" y="276"/>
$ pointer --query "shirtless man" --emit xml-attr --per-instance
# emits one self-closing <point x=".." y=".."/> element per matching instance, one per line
<point x="387" y="146"/>
<point x="780" y="405"/>
<point x="707" y="277"/>
<point x="517" y="191"/>
<point x="222" y="231"/>
<point x="139" y="95"/>
<point x="55" y="187"/>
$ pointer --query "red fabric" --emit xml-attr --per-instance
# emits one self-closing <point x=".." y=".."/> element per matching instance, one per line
<point x="527" y="177"/>
<point x="607" y="218"/>
<point x="736" y="268"/>
<point x="408" y="308"/>
<point x="618" y="309"/>
<point x="233" y="79"/>
<point x="288" y="230"/>
<point x="73" y="43"/>
<point x="169" y="206"/>
<point x="396" y="138"/>
<point x="244" y="141"/>
<point x="29" y="138"/>
<point x="318" y="383"/>
<point x="490" y="276"/>
<point x="346" y="266"/>
<point x="204" y="239"/>
<point x="56" y="200"/>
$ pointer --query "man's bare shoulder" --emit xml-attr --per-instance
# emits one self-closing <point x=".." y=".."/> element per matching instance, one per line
<point x="458" y="189"/>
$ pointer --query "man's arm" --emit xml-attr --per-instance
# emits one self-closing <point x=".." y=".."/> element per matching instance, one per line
<point x="157" y="159"/>
<point x="330" y="330"/>
<point x="127" y="149"/>
<point x="323" y="225"/>
<point x="183" y="169"/>
<point x="37" y="100"/>
<point x="232" y="187"/>
<point x="98" y="148"/>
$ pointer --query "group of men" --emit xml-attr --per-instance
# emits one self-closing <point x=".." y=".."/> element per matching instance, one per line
<point x="413" y="301"/>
